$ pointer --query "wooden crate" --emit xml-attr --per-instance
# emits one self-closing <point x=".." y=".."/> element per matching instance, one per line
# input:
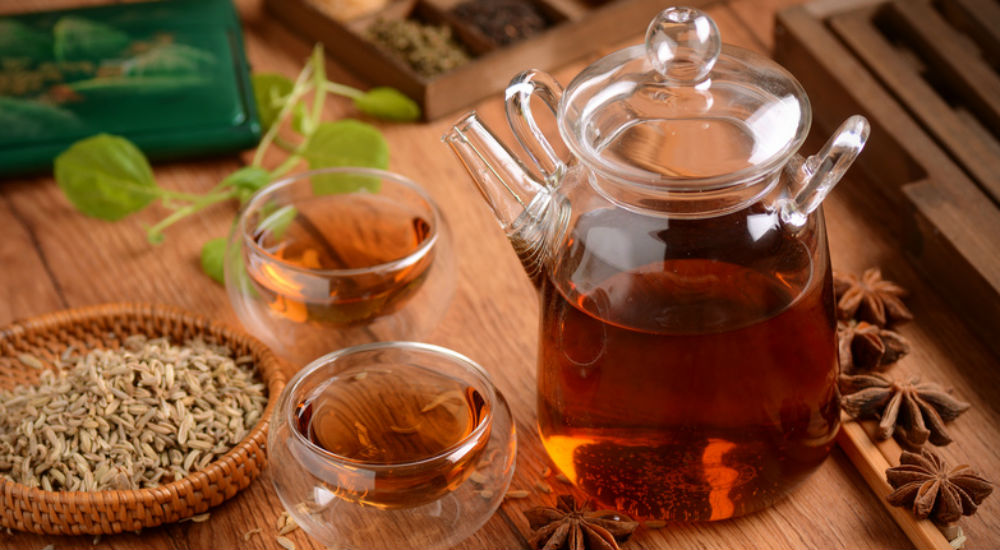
<point x="579" y="28"/>
<point x="925" y="73"/>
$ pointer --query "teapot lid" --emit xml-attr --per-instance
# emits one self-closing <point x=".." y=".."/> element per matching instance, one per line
<point x="684" y="111"/>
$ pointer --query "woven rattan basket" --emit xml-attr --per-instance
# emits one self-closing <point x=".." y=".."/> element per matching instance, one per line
<point x="106" y="512"/>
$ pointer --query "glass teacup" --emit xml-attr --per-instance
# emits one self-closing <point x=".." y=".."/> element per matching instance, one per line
<point x="339" y="257"/>
<point x="391" y="445"/>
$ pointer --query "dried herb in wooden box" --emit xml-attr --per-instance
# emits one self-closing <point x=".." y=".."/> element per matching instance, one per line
<point x="428" y="49"/>
<point x="503" y="21"/>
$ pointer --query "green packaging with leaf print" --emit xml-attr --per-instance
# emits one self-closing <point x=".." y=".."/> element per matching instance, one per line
<point x="171" y="76"/>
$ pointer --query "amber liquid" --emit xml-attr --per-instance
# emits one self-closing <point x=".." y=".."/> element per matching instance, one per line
<point x="397" y="425"/>
<point x="340" y="232"/>
<point x="689" y="389"/>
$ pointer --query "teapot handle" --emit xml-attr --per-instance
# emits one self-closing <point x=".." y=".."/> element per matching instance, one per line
<point x="518" y="101"/>
<point x="817" y="176"/>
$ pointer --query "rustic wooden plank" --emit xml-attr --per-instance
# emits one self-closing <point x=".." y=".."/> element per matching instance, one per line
<point x="980" y="19"/>
<point x="822" y="63"/>
<point x="958" y="251"/>
<point x="26" y="283"/>
<point x="572" y="9"/>
<point x="945" y="351"/>
<point x="965" y="73"/>
<point x="822" y="9"/>
<point x="869" y="461"/>
<point x="940" y="240"/>
<point x="856" y="29"/>
<point x="117" y="260"/>
<point x="757" y="17"/>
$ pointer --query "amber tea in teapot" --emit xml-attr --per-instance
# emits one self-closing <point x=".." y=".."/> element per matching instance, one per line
<point x="687" y="362"/>
<point x="718" y="381"/>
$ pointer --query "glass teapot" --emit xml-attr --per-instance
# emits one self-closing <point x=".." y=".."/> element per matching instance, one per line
<point x="687" y="361"/>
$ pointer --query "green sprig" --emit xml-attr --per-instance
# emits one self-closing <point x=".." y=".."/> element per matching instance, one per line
<point x="108" y="177"/>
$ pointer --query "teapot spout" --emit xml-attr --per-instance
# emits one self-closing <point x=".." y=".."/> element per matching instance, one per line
<point x="531" y="214"/>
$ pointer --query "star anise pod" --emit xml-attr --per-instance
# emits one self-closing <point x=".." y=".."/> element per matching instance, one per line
<point x="911" y="410"/>
<point x="870" y="297"/>
<point x="865" y="347"/>
<point x="923" y="481"/>
<point x="575" y="526"/>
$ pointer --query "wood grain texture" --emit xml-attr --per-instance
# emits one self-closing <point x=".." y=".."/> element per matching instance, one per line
<point x="28" y="284"/>
<point x="944" y="350"/>
<point x="961" y="64"/>
<point x="492" y="318"/>
<point x="950" y="232"/>
<point x="490" y="68"/>
<point x="857" y="29"/>
<point x="980" y="19"/>
<point x="872" y="465"/>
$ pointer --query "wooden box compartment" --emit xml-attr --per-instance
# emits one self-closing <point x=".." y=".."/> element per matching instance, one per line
<point x="576" y="28"/>
<point x="926" y="75"/>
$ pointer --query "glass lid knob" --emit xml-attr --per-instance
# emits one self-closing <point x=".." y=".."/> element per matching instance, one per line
<point x="683" y="44"/>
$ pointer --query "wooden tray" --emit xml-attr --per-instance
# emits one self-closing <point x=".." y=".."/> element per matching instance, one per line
<point x="578" y="28"/>
<point x="926" y="76"/>
<point x="921" y="73"/>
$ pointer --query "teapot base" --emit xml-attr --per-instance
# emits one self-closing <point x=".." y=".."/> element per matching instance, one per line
<point x="689" y="389"/>
<point x="693" y="476"/>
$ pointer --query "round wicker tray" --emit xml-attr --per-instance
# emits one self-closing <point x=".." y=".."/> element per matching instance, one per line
<point x="107" y="512"/>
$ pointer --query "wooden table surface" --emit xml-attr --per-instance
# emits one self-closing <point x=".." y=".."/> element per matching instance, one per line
<point x="52" y="257"/>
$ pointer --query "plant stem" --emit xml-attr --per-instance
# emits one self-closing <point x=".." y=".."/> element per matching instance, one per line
<point x="178" y="195"/>
<point x="203" y="202"/>
<point x="285" y="145"/>
<point x="298" y="90"/>
<point x="286" y="166"/>
<point x="341" y="89"/>
<point x="319" y="78"/>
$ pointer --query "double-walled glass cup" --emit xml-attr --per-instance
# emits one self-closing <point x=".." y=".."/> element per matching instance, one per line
<point x="339" y="257"/>
<point x="352" y="478"/>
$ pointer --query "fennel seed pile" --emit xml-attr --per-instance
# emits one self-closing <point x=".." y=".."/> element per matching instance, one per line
<point x="138" y="417"/>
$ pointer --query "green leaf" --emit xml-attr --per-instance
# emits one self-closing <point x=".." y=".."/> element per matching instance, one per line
<point x="18" y="40"/>
<point x="106" y="177"/>
<point x="250" y="178"/>
<point x="346" y="143"/>
<point x="170" y="60"/>
<point x="270" y="92"/>
<point x="80" y="39"/>
<point x="213" y="259"/>
<point x="389" y="104"/>
<point x="247" y="181"/>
